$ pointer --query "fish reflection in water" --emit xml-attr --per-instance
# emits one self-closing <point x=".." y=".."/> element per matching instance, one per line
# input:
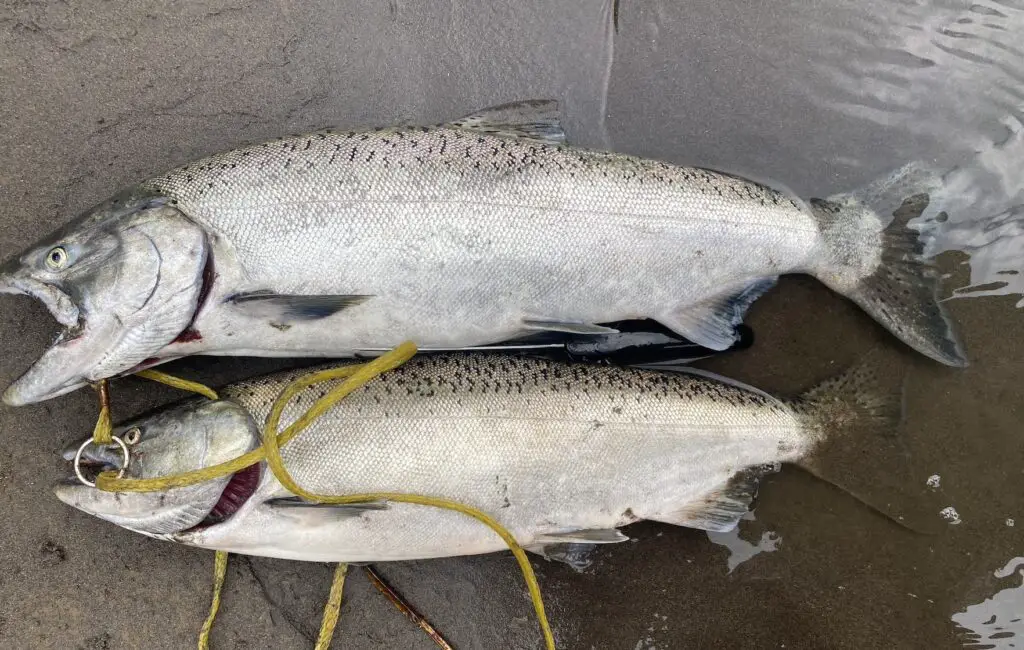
<point x="996" y="623"/>
<point x="740" y="550"/>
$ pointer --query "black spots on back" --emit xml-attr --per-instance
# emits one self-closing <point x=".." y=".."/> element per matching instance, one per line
<point x="459" y="378"/>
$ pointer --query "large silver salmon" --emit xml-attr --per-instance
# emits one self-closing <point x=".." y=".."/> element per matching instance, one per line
<point x="558" y="453"/>
<point x="344" y="242"/>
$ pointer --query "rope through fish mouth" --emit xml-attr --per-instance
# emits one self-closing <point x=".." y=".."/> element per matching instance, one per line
<point x="352" y="377"/>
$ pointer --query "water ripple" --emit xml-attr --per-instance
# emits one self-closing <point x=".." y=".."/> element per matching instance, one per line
<point x="996" y="623"/>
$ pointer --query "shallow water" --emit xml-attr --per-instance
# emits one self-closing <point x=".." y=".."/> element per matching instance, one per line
<point x="821" y="98"/>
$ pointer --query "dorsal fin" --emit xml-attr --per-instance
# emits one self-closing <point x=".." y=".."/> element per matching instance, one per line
<point x="533" y="119"/>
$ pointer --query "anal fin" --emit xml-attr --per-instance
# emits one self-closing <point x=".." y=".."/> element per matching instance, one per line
<point x="712" y="322"/>
<point x="721" y="509"/>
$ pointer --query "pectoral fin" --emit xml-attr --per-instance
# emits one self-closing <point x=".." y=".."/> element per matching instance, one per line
<point x="352" y="508"/>
<point x="286" y="308"/>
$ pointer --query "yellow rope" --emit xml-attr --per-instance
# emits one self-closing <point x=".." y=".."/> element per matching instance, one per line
<point x="333" y="608"/>
<point x="176" y="382"/>
<point x="103" y="432"/>
<point x="355" y="376"/>
<point x="220" y="569"/>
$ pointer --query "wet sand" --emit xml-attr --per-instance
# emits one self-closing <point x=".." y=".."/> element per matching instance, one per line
<point x="95" y="99"/>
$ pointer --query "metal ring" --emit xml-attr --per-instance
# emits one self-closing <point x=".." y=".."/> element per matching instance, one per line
<point x="78" y="460"/>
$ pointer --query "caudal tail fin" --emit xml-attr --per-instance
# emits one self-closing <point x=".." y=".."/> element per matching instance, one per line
<point x="855" y="419"/>
<point x="883" y="270"/>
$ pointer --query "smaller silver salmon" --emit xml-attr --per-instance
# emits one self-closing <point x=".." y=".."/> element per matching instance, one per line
<point x="560" y="454"/>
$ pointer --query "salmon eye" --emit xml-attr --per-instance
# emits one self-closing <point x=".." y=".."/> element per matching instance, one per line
<point x="57" y="258"/>
<point x="132" y="436"/>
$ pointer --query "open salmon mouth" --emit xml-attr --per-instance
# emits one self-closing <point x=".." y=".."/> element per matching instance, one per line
<point x="71" y="328"/>
<point x="64" y="365"/>
<point x="96" y="343"/>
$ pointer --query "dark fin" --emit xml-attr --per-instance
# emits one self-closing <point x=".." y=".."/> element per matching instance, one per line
<point x="536" y="119"/>
<point x="577" y="556"/>
<point x="354" y="508"/>
<point x="720" y="510"/>
<point x="569" y="327"/>
<point x="283" y="308"/>
<point x="856" y="418"/>
<point x="902" y="293"/>
<point x="712" y="323"/>
<point x="591" y="536"/>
